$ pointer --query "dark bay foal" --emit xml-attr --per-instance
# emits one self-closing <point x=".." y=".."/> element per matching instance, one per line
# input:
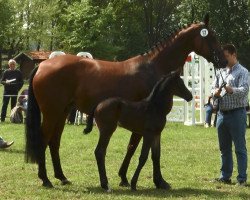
<point x="147" y="117"/>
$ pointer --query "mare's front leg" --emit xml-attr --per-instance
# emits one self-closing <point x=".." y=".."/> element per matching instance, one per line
<point x="147" y="142"/>
<point x="133" y="143"/>
<point x="100" y="153"/>
<point x="156" y="154"/>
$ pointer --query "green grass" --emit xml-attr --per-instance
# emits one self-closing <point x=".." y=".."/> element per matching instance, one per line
<point x="190" y="159"/>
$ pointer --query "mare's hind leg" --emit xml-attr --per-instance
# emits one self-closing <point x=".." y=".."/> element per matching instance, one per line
<point x="100" y="153"/>
<point x="54" y="145"/>
<point x="156" y="154"/>
<point x="42" y="173"/>
<point x="147" y="141"/>
<point x="133" y="143"/>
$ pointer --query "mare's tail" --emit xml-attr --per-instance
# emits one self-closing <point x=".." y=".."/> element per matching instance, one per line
<point x="90" y="122"/>
<point x="34" y="142"/>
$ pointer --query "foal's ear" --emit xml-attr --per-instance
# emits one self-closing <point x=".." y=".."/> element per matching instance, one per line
<point x="175" y="73"/>
<point x="206" y="19"/>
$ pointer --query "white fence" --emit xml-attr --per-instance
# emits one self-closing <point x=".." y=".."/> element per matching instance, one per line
<point x="198" y="77"/>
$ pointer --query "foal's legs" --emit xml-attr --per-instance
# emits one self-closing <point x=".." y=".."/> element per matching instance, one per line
<point x="133" y="143"/>
<point x="147" y="141"/>
<point x="54" y="145"/>
<point x="156" y="154"/>
<point x="100" y="153"/>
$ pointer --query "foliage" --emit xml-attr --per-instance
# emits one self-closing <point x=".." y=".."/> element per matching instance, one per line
<point x="115" y="29"/>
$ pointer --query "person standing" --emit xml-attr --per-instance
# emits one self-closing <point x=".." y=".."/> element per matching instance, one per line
<point x="13" y="82"/>
<point x="231" y="119"/>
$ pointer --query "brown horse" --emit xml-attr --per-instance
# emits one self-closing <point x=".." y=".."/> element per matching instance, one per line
<point x="146" y="118"/>
<point x="69" y="80"/>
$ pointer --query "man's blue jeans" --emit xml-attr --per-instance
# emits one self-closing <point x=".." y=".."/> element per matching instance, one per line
<point x="231" y="127"/>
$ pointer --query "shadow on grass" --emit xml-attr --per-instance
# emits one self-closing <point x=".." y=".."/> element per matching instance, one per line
<point x="16" y="151"/>
<point x="152" y="192"/>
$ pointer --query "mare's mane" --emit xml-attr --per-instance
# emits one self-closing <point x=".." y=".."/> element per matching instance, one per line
<point x="169" y="39"/>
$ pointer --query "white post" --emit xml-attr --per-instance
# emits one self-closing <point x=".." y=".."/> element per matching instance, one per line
<point x="193" y="92"/>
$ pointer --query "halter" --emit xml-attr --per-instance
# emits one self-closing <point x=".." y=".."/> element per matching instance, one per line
<point x="215" y="59"/>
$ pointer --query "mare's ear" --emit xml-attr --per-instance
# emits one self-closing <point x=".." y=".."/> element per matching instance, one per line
<point x="206" y="19"/>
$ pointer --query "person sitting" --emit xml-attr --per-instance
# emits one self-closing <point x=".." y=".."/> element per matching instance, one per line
<point x="23" y="100"/>
<point x="16" y="114"/>
<point x="210" y="108"/>
<point x="4" y="144"/>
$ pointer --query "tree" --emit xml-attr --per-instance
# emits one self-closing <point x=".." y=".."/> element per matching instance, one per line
<point x="159" y="18"/>
<point x="89" y="28"/>
<point x="5" y="22"/>
<point x="231" y="22"/>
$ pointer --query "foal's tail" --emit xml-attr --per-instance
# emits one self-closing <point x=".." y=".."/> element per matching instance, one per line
<point x="34" y="144"/>
<point x="89" y="123"/>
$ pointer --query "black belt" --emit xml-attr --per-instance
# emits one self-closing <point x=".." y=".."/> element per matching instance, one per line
<point x="225" y="112"/>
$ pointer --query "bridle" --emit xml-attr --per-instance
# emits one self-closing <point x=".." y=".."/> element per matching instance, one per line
<point x="216" y="61"/>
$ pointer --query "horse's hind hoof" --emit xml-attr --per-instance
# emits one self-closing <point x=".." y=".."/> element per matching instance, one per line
<point x="47" y="184"/>
<point x="163" y="185"/>
<point x="87" y="131"/>
<point x="66" y="182"/>
<point x="133" y="187"/>
<point x="107" y="188"/>
<point x="124" y="184"/>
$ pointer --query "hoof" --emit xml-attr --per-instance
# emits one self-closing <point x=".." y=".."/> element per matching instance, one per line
<point x="133" y="186"/>
<point x="47" y="184"/>
<point x="87" y="131"/>
<point x="66" y="182"/>
<point x="163" y="185"/>
<point x="107" y="188"/>
<point x="124" y="184"/>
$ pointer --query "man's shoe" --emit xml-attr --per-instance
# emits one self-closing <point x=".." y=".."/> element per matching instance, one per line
<point x="5" y="145"/>
<point x="241" y="183"/>
<point x="222" y="180"/>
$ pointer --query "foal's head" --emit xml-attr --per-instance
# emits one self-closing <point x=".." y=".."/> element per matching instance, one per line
<point x="206" y="44"/>
<point x="170" y="85"/>
<point x="178" y="87"/>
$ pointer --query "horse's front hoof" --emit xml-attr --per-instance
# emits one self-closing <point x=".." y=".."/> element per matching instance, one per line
<point x="124" y="184"/>
<point x="66" y="182"/>
<point x="47" y="184"/>
<point x="163" y="185"/>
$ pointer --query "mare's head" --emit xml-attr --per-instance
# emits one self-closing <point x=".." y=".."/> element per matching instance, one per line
<point x="206" y="44"/>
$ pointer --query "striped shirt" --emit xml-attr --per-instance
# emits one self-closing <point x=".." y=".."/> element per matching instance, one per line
<point x="237" y="78"/>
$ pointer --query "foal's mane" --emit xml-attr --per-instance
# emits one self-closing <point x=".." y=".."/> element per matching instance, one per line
<point x="155" y="89"/>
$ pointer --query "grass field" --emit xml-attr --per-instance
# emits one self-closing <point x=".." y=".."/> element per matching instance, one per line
<point x="190" y="159"/>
